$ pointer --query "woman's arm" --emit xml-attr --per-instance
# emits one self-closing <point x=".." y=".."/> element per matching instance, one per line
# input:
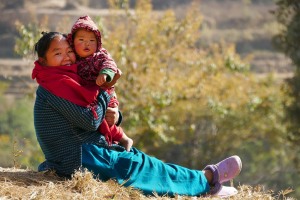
<point x="86" y="118"/>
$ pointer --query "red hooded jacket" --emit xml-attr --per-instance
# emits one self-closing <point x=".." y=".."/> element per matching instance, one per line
<point x="90" y="67"/>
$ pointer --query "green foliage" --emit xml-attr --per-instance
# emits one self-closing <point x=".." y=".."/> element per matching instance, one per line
<point x="28" y="36"/>
<point x="147" y="50"/>
<point x="288" y="15"/>
<point x="18" y="145"/>
<point x="287" y="41"/>
<point x="179" y="99"/>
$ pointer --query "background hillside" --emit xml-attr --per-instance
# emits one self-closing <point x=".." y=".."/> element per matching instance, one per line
<point x="246" y="24"/>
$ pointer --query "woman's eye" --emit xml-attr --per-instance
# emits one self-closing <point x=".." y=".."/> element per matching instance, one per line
<point x="57" y="54"/>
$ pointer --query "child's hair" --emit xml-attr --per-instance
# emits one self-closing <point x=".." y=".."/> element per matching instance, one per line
<point x="42" y="46"/>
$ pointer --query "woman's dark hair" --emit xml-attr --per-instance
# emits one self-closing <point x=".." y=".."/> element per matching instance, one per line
<point x="42" y="46"/>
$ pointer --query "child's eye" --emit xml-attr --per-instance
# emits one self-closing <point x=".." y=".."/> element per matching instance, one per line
<point x="57" y="54"/>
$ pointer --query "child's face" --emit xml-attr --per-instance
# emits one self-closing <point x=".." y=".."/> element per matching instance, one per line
<point x="85" y="43"/>
<point x="59" y="53"/>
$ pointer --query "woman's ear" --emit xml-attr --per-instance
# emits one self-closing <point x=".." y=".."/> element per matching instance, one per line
<point x="42" y="61"/>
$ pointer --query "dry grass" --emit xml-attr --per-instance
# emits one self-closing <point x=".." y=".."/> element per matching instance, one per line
<point x="27" y="184"/>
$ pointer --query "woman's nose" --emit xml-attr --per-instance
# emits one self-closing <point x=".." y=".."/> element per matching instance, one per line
<point x="67" y="57"/>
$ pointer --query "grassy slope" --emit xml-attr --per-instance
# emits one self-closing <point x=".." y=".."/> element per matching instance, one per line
<point x="26" y="184"/>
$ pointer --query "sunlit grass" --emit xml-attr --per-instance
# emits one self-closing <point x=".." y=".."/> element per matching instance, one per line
<point x="26" y="184"/>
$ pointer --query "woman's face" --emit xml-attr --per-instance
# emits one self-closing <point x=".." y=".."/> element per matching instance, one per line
<point x="85" y="43"/>
<point x="59" y="53"/>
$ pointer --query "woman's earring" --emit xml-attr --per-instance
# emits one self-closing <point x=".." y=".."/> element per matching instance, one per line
<point x="42" y="61"/>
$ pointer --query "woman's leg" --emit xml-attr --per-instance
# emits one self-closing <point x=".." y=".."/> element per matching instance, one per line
<point x="143" y="172"/>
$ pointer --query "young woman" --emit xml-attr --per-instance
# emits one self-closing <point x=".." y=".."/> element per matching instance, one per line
<point x="67" y="116"/>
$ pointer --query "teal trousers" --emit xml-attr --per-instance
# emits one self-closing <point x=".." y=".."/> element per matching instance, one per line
<point x="138" y="170"/>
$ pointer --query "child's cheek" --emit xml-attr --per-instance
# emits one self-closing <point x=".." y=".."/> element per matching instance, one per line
<point x="78" y="47"/>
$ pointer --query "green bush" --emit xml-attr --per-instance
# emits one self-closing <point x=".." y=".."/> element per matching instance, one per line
<point x="287" y="41"/>
<point x="18" y="145"/>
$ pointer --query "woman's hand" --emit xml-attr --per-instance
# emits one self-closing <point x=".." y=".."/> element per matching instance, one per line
<point x="112" y="116"/>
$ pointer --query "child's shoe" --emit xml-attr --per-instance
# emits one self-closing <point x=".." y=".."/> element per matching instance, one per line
<point x="225" y="170"/>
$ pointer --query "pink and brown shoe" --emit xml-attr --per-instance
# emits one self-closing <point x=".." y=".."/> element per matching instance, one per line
<point x="225" y="170"/>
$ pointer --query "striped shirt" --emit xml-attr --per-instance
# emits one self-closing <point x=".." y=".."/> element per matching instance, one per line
<point x="62" y="127"/>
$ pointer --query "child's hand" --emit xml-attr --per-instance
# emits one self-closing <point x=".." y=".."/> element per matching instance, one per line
<point x="112" y="116"/>
<point x="101" y="79"/>
<point x="126" y="142"/>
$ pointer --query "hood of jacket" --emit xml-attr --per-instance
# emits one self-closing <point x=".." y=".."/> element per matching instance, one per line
<point x="85" y="22"/>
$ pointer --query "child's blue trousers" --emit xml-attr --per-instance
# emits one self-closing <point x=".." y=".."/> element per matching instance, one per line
<point x="138" y="170"/>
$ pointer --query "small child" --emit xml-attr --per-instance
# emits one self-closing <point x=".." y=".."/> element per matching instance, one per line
<point x="95" y="64"/>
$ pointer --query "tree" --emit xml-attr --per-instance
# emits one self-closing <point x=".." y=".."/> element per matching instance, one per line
<point x="287" y="41"/>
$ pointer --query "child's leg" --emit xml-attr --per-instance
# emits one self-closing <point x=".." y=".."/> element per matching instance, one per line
<point x="144" y="172"/>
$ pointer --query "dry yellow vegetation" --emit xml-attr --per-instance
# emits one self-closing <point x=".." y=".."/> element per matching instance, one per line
<point x="27" y="184"/>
